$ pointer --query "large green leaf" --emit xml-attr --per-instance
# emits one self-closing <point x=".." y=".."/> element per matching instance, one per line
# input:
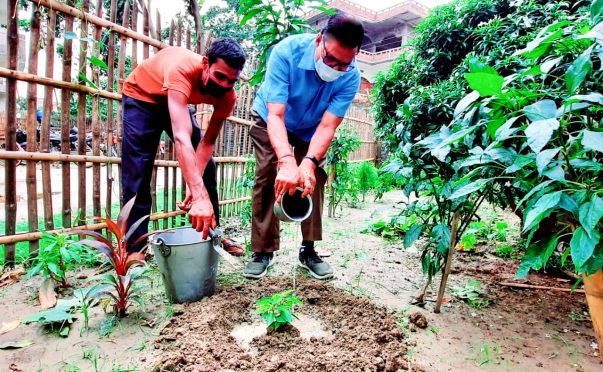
<point x="541" y="209"/>
<point x="583" y="246"/>
<point x="543" y="159"/>
<point x="412" y="234"/>
<point x="590" y="97"/>
<point x="539" y="133"/>
<point x="486" y="84"/>
<point x="536" y="256"/>
<point x="506" y="130"/>
<point x="441" y="233"/>
<point x="545" y="109"/>
<point x="249" y="15"/>
<point x="469" y="188"/>
<point x="592" y="140"/>
<point x="578" y="71"/>
<point x="98" y="62"/>
<point x="465" y="102"/>
<point x="596" y="11"/>
<point x="590" y="214"/>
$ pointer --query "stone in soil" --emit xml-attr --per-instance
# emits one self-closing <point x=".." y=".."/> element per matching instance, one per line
<point x="356" y="334"/>
<point x="418" y="318"/>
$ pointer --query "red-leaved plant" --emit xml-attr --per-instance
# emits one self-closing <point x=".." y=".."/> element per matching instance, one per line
<point x="128" y="266"/>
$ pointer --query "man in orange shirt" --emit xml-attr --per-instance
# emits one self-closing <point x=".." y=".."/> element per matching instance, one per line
<point x="155" y="99"/>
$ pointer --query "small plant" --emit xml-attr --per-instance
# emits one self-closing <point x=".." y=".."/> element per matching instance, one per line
<point x="87" y="298"/>
<point x="471" y="293"/>
<point x="506" y="251"/>
<point x="277" y="310"/>
<point x="58" y="253"/>
<point x="128" y="267"/>
<point x="367" y="178"/>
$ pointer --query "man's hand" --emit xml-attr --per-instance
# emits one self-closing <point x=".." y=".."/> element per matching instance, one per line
<point x="287" y="178"/>
<point x="201" y="215"/>
<point x="306" y="170"/>
<point x="186" y="204"/>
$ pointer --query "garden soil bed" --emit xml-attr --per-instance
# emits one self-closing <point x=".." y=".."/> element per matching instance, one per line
<point x="358" y="334"/>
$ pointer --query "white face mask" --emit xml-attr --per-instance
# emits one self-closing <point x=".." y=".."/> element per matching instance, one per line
<point x="326" y="73"/>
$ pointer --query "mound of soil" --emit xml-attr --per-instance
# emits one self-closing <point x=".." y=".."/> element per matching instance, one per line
<point x="360" y="335"/>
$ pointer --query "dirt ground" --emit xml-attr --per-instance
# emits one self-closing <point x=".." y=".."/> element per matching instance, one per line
<point x="521" y="330"/>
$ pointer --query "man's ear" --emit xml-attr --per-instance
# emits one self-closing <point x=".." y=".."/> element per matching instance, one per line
<point x="318" y="38"/>
<point x="205" y="61"/>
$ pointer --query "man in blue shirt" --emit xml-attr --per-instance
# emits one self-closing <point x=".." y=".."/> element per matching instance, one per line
<point x="310" y="82"/>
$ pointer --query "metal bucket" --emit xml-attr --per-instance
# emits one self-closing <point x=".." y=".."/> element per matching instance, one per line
<point x="188" y="264"/>
<point x="293" y="208"/>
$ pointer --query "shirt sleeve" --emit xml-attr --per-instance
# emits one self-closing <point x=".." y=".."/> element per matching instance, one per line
<point x="343" y="98"/>
<point x="276" y="80"/>
<point x="178" y="77"/>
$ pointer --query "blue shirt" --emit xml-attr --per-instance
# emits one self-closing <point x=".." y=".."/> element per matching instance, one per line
<point x="291" y="79"/>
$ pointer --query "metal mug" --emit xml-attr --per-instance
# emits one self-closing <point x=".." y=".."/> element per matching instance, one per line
<point x="293" y="208"/>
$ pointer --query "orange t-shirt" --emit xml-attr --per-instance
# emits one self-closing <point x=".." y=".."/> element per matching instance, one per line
<point x="178" y="69"/>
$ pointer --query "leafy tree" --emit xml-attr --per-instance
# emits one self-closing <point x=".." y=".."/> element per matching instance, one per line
<point x="224" y="22"/>
<point x="274" y="21"/>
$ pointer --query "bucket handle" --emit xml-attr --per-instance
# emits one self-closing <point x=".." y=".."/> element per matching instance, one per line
<point x="216" y="236"/>
<point x="163" y="249"/>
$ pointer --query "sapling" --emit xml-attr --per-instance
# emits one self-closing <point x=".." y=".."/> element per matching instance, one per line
<point x="277" y="310"/>
<point x="128" y="267"/>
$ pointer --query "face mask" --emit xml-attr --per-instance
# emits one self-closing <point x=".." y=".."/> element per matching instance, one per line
<point x="215" y="89"/>
<point x="326" y="73"/>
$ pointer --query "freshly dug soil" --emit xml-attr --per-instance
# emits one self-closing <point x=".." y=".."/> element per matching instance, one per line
<point x="361" y="335"/>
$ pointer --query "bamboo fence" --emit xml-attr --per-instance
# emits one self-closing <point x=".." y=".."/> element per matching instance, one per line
<point x="232" y="148"/>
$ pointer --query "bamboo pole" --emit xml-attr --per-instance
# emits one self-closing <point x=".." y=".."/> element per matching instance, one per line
<point x="10" y="172"/>
<point x="198" y="26"/>
<point x="45" y="131"/>
<point x="145" y="31"/>
<point x="66" y="124"/>
<point x="32" y="78"/>
<point x="32" y="128"/>
<point x="38" y="156"/>
<point x="110" y="88"/>
<point x="81" y="122"/>
<point x="172" y="27"/>
<point x="154" y="195"/>
<point x="134" y="41"/>
<point x="89" y="18"/>
<point x="12" y="239"/>
<point x="179" y="33"/>
<point x="96" y="132"/>
<point x="448" y="266"/>
<point x="542" y="287"/>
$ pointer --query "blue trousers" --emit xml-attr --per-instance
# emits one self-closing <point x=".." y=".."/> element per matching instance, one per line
<point x="143" y="124"/>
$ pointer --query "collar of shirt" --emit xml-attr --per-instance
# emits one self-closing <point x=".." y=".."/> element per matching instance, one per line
<point x="307" y="60"/>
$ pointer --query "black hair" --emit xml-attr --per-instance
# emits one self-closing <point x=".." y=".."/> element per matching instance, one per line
<point x="227" y="49"/>
<point x="346" y="29"/>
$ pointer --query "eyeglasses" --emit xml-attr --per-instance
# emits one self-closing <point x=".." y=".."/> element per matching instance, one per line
<point x="333" y="62"/>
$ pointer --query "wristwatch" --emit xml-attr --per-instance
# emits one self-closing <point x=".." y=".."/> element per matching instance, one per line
<point x="313" y="160"/>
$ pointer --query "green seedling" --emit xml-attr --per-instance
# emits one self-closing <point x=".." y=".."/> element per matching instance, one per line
<point x="471" y="293"/>
<point x="278" y="309"/>
<point x="87" y="297"/>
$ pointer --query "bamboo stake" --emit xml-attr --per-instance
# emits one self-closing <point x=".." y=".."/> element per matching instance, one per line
<point x="135" y="28"/>
<point x="179" y="33"/>
<point x="455" y="222"/>
<point x="32" y="78"/>
<point x="154" y="196"/>
<point x="530" y="286"/>
<point x="89" y="18"/>
<point x="32" y="130"/>
<point x="174" y="192"/>
<point x="45" y="131"/>
<point x="110" y="88"/>
<point x="81" y="122"/>
<point x="166" y="179"/>
<point x="96" y="131"/>
<point x="172" y="27"/>
<point x="145" y="31"/>
<point x="66" y="124"/>
<point x="10" y="172"/>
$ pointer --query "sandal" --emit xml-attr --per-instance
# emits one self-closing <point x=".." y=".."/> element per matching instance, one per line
<point x="232" y="247"/>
